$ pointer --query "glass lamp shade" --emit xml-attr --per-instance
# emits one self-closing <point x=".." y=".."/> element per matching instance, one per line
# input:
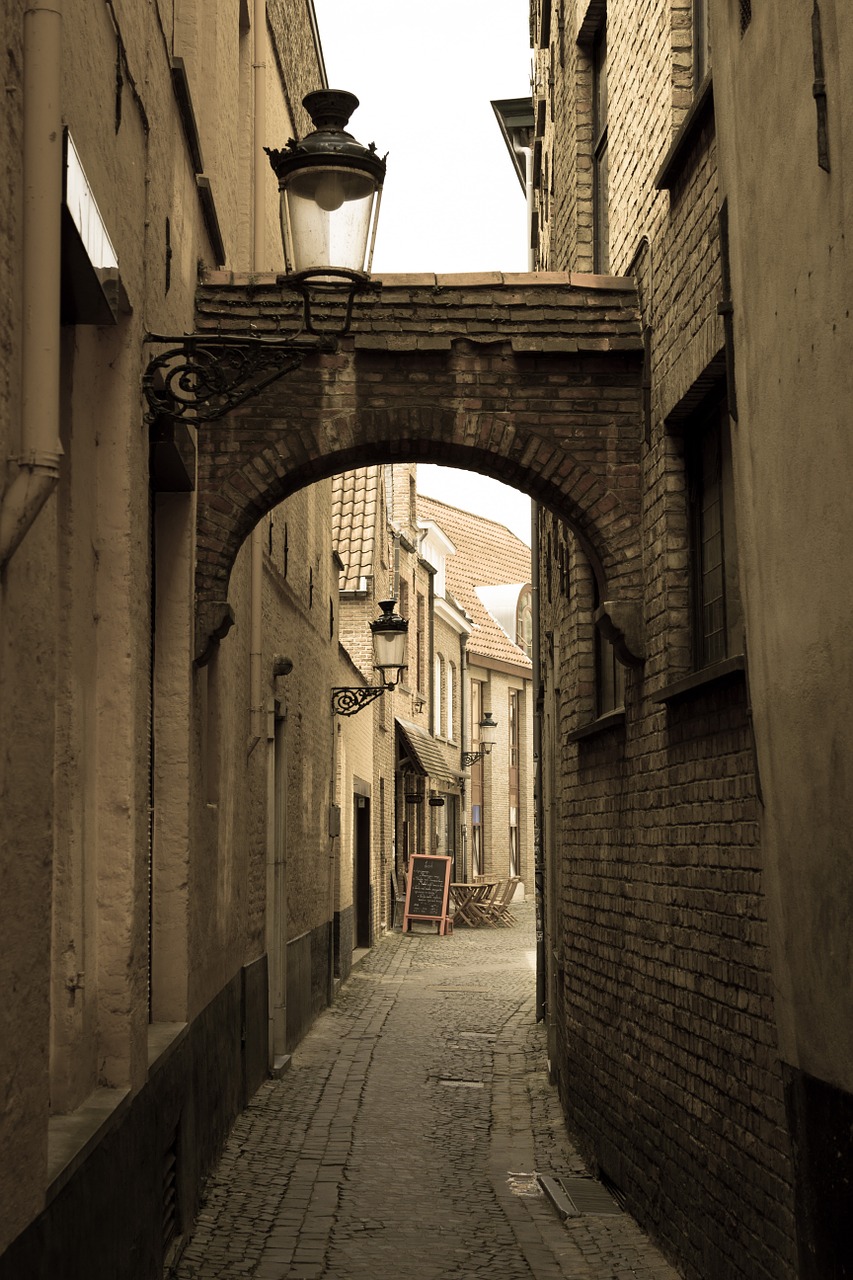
<point x="488" y="731"/>
<point x="390" y="633"/>
<point x="330" y="187"/>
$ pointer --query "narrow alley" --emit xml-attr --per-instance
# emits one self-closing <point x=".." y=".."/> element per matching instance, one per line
<point x="407" y="1133"/>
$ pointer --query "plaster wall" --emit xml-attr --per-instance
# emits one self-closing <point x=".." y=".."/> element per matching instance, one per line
<point x="301" y="611"/>
<point x="78" y="705"/>
<point x="792" y="278"/>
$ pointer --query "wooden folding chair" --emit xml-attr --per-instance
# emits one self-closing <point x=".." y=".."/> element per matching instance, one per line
<point x="501" y="906"/>
<point x="487" y="906"/>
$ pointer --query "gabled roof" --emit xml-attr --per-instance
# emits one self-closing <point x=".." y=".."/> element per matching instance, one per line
<point x="487" y="554"/>
<point x="357" y="524"/>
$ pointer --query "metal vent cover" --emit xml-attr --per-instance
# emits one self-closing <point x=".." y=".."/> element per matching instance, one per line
<point x="574" y="1196"/>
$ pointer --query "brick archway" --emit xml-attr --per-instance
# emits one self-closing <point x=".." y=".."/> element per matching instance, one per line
<point x="532" y="379"/>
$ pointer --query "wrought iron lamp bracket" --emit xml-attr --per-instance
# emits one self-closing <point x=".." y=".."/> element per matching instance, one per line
<point x="349" y="701"/>
<point x="471" y="757"/>
<point x="201" y="377"/>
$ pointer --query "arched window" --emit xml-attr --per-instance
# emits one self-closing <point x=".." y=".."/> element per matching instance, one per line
<point x="524" y="622"/>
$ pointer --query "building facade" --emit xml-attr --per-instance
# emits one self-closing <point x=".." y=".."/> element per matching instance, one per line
<point x="427" y="796"/>
<point x="693" y="890"/>
<point x="488" y="575"/>
<point x="166" y="927"/>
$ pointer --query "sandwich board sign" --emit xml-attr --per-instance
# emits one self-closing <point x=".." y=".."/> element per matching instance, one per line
<point x="427" y="891"/>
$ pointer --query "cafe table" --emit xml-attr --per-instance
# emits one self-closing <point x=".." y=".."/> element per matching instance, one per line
<point x="469" y="901"/>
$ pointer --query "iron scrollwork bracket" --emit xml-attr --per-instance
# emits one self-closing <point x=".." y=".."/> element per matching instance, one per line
<point x="470" y="757"/>
<point x="348" y="702"/>
<point x="203" y="378"/>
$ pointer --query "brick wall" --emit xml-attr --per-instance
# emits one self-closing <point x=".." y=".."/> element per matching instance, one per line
<point x="553" y="408"/>
<point x="662" y="1029"/>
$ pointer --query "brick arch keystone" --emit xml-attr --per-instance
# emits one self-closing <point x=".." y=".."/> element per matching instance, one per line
<point x="534" y="380"/>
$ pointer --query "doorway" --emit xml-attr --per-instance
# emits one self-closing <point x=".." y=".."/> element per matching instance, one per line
<point x="361" y="872"/>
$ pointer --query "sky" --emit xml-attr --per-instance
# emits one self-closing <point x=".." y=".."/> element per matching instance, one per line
<point x="426" y="76"/>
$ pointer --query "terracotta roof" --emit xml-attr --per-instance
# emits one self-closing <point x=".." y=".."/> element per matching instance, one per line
<point x="487" y="554"/>
<point x="356" y="514"/>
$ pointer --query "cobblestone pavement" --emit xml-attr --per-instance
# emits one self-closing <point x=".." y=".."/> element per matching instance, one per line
<point x="406" y="1135"/>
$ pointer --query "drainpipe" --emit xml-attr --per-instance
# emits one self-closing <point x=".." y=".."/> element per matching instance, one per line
<point x="464" y="744"/>
<point x="259" y="68"/>
<point x="538" y="806"/>
<point x="38" y="463"/>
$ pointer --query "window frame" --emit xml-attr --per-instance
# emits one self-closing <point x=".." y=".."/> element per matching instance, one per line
<point x="716" y="620"/>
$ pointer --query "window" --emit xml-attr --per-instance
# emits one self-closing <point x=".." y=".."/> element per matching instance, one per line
<point x="701" y="42"/>
<point x="524" y="622"/>
<point x="437" y="696"/>
<point x="420" y="641"/>
<point x="609" y="677"/>
<point x="451" y="683"/>
<point x="717" y="627"/>
<point x="600" y="167"/>
<point x="609" y="673"/>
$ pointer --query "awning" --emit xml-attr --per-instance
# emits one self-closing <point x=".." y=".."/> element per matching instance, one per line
<point x="428" y="757"/>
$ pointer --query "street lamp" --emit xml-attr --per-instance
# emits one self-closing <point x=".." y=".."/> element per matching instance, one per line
<point x="389" y="653"/>
<point x="488" y="737"/>
<point x="330" y="188"/>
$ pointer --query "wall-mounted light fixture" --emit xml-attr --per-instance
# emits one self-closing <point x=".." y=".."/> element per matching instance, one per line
<point x="330" y="188"/>
<point x="389" y="654"/>
<point x="488" y="736"/>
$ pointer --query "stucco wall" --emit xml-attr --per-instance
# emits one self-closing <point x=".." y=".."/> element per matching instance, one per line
<point x="792" y="274"/>
<point x="76" y="633"/>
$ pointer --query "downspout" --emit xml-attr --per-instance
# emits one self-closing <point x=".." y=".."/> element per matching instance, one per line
<point x="465" y="744"/>
<point x="538" y="805"/>
<point x="39" y="460"/>
<point x="259" y="69"/>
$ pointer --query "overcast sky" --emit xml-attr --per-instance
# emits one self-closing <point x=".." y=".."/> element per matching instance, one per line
<point x="426" y="76"/>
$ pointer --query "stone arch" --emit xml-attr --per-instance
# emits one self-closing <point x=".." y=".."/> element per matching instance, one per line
<point x="533" y="380"/>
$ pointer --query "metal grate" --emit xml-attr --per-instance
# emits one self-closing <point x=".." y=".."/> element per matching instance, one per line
<point x="745" y="14"/>
<point x="572" y="1197"/>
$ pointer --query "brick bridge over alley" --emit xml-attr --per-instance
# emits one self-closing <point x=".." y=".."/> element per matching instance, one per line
<point x="532" y="379"/>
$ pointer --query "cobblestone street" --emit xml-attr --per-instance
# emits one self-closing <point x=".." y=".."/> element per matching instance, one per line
<point x="406" y="1133"/>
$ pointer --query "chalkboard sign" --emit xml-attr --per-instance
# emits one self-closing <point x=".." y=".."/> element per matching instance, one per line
<point x="427" y="891"/>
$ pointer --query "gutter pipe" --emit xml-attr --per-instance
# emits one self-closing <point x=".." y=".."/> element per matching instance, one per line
<point x="259" y="68"/>
<point x="538" y="805"/>
<point x="39" y="461"/>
